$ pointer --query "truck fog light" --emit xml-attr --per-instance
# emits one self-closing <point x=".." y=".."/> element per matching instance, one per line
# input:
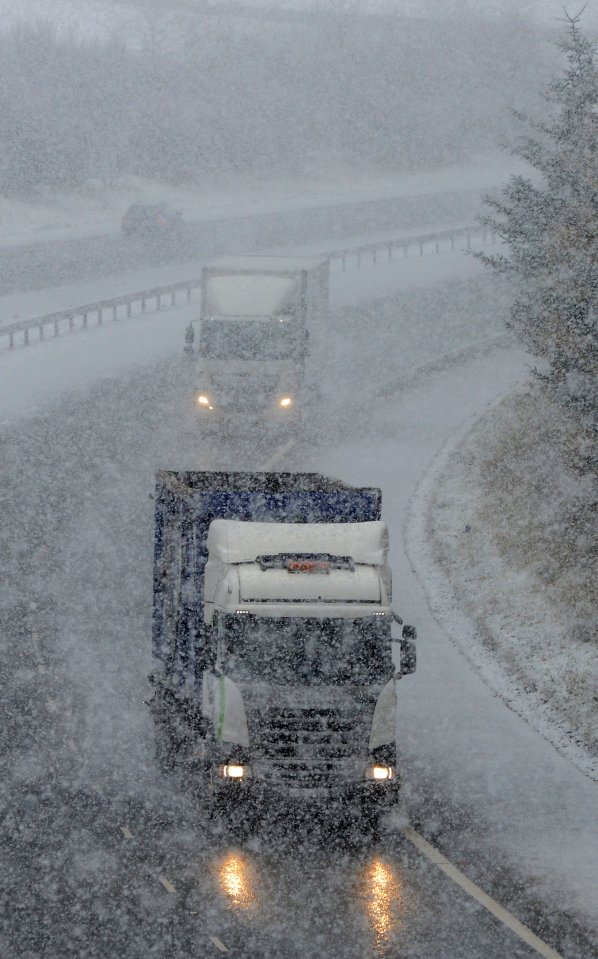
<point x="381" y="773"/>
<point x="285" y="402"/>
<point x="203" y="400"/>
<point x="234" y="771"/>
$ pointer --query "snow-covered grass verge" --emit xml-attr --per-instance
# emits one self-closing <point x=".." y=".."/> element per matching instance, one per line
<point x="500" y="533"/>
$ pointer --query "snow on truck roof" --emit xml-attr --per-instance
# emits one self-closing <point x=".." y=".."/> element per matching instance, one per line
<point x="233" y="541"/>
<point x="246" y="294"/>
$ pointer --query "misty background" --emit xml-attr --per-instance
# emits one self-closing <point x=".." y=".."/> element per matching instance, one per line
<point x="209" y="91"/>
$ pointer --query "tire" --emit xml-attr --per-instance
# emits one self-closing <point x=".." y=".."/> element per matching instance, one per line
<point x="370" y="821"/>
<point x="238" y="820"/>
<point x="197" y="782"/>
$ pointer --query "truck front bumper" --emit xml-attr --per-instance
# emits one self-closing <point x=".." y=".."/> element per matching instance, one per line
<point x="226" y="418"/>
<point x="267" y="412"/>
<point x="263" y="793"/>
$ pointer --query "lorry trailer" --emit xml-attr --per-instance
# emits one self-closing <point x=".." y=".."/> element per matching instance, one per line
<point x="275" y="670"/>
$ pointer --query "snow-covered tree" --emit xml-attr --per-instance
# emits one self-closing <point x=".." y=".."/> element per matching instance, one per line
<point x="549" y="223"/>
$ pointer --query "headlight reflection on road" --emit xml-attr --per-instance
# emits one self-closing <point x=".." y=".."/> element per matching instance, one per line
<point x="381" y="893"/>
<point x="237" y="880"/>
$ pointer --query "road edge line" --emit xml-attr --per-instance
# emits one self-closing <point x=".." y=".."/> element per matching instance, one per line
<point x="285" y="448"/>
<point x="500" y="913"/>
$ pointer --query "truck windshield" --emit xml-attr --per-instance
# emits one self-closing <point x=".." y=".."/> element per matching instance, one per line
<point x="296" y="651"/>
<point x="271" y="339"/>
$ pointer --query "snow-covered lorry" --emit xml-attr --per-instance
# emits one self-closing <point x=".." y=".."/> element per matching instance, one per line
<point x="275" y="671"/>
<point x="261" y="338"/>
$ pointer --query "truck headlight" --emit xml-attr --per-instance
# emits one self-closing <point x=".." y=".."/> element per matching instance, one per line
<point x="203" y="400"/>
<point x="285" y="402"/>
<point x="380" y="773"/>
<point x="234" y="771"/>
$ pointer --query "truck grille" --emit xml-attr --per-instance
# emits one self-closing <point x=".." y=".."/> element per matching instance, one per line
<point x="247" y="401"/>
<point x="309" y="737"/>
<point x="307" y="734"/>
<point x="246" y="394"/>
<point x="308" y="776"/>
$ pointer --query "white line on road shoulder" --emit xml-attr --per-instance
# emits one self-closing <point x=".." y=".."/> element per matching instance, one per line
<point x="278" y="455"/>
<point x="480" y="896"/>
<point x="218" y="943"/>
<point x="167" y="884"/>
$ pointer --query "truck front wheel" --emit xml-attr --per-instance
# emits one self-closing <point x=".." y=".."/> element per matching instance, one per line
<point x="370" y="819"/>
<point x="164" y="750"/>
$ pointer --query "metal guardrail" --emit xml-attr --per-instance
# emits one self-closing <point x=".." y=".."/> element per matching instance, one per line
<point x="404" y="244"/>
<point x="78" y="317"/>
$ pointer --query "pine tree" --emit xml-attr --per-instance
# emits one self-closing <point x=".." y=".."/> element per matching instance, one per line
<point x="549" y="224"/>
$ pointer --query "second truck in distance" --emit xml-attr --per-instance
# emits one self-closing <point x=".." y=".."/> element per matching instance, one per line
<point x="261" y="339"/>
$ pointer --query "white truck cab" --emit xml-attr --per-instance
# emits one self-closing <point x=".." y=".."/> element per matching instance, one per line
<point x="302" y="617"/>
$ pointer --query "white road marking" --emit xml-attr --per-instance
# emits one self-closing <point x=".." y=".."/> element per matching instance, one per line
<point x="34" y="635"/>
<point x="525" y="934"/>
<point x="218" y="943"/>
<point x="167" y="884"/>
<point x="278" y="455"/>
<point x="126" y="832"/>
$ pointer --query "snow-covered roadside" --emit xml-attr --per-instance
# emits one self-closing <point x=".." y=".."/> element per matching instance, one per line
<point x="513" y="799"/>
<point x="498" y="616"/>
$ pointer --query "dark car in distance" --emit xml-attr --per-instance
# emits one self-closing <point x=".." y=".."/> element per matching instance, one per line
<point x="152" y="220"/>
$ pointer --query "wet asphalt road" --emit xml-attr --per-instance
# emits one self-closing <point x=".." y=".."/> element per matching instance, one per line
<point x="102" y="855"/>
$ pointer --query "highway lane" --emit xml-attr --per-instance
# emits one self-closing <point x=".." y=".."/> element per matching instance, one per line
<point x="104" y="857"/>
<point x="92" y="873"/>
<point x="37" y="266"/>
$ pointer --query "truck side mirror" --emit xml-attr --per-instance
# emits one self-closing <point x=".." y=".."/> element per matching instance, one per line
<point x="189" y="339"/>
<point x="408" y="650"/>
<point x="408" y="657"/>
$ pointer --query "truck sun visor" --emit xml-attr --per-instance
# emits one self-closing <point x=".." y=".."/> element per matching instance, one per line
<point x="234" y="541"/>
